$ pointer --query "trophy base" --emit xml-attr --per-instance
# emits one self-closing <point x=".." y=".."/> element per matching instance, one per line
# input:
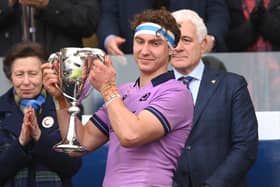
<point x="68" y="148"/>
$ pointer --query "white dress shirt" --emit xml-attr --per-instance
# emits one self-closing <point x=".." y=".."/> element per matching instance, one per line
<point x="197" y="76"/>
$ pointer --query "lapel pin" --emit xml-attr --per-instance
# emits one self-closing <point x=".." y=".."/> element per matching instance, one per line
<point x="213" y="81"/>
<point x="48" y="122"/>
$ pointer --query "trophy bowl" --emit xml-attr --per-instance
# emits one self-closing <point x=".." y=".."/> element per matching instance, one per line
<point x="73" y="71"/>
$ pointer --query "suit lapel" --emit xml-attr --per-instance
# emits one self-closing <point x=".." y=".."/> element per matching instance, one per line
<point x="208" y="86"/>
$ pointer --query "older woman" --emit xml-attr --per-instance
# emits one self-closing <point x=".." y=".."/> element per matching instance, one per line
<point x="28" y="125"/>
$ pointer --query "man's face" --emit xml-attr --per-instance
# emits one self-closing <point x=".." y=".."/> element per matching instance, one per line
<point x="188" y="52"/>
<point x="151" y="53"/>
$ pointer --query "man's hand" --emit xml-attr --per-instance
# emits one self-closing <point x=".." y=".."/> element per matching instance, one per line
<point x="113" y="44"/>
<point x="12" y="2"/>
<point x="51" y="78"/>
<point x="102" y="73"/>
<point x="39" y="4"/>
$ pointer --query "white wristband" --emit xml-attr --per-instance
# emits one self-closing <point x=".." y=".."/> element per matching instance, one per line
<point x="112" y="98"/>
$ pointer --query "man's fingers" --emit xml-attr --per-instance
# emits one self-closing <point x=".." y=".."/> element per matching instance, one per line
<point x="115" y="50"/>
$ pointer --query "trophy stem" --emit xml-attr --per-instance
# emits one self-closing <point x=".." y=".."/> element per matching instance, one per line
<point x="70" y="143"/>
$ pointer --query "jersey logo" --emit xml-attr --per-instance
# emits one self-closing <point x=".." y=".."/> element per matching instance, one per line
<point x="124" y="97"/>
<point x="145" y="97"/>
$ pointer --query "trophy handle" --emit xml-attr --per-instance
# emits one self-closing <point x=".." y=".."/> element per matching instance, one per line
<point x="55" y="57"/>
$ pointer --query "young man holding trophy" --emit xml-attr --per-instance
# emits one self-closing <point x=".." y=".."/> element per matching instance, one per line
<point x="144" y="121"/>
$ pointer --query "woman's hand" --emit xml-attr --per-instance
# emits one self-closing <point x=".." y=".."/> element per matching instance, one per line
<point x="30" y="129"/>
<point x="24" y="137"/>
<point x="35" y="131"/>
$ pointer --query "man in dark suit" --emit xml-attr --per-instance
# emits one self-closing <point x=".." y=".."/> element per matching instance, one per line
<point x="223" y="142"/>
<point x="115" y="35"/>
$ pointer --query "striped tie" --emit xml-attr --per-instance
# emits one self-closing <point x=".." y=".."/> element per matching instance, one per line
<point x="186" y="80"/>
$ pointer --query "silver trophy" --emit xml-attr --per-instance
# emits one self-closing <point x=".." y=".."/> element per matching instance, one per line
<point x="74" y="68"/>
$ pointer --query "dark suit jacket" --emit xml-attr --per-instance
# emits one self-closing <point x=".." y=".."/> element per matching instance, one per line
<point x="223" y="143"/>
<point x="39" y="156"/>
<point x="116" y="15"/>
<point x="246" y="34"/>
